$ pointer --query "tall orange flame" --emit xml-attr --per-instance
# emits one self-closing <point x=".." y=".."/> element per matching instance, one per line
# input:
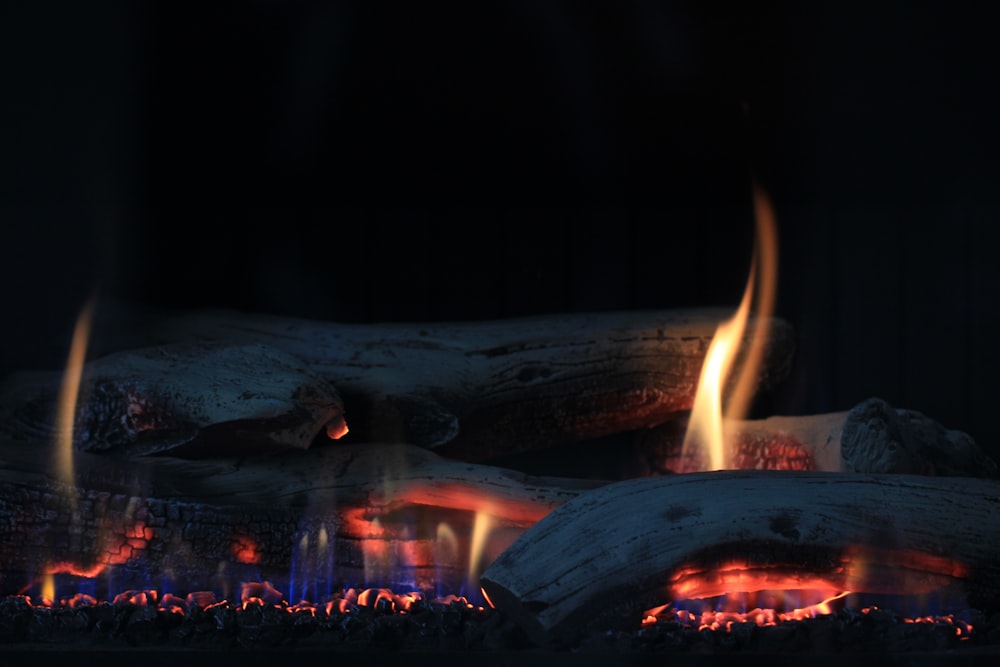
<point x="481" y="528"/>
<point x="69" y="393"/>
<point x="706" y="424"/>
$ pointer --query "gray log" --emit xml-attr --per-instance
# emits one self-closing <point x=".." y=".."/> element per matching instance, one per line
<point x="334" y="515"/>
<point x="201" y="399"/>
<point x="871" y="437"/>
<point x="480" y="390"/>
<point x="601" y="559"/>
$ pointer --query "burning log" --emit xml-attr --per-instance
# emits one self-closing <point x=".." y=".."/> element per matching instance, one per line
<point x="196" y="398"/>
<point x="872" y="437"/>
<point x="603" y="558"/>
<point x="480" y="390"/>
<point x="337" y="514"/>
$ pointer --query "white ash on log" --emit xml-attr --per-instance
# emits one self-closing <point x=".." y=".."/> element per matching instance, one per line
<point x="343" y="514"/>
<point x="481" y="390"/>
<point x="200" y="398"/>
<point x="872" y="437"/>
<point x="604" y="557"/>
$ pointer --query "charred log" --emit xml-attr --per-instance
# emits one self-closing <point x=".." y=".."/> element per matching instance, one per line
<point x="606" y="556"/>
<point x="199" y="399"/>
<point x="339" y="513"/>
<point x="872" y="437"/>
<point x="481" y="390"/>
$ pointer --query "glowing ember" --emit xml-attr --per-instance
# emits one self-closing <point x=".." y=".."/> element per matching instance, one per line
<point x="119" y="547"/>
<point x="716" y="620"/>
<point x="337" y="428"/>
<point x="260" y="590"/>
<point x="244" y="550"/>
<point x="724" y="616"/>
<point x="727" y="621"/>
<point x="735" y="578"/>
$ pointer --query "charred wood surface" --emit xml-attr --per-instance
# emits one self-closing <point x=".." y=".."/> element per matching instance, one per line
<point x="480" y="390"/>
<point x="606" y="556"/>
<point x="203" y="399"/>
<point x="338" y="514"/>
<point x="872" y="437"/>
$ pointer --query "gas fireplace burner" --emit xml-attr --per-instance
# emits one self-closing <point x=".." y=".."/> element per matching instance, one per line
<point x="381" y="620"/>
<point x="528" y="488"/>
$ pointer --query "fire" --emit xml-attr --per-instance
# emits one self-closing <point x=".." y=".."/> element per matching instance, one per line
<point x="481" y="528"/>
<point x="740" y="577"/>
<point x="69" y="394"/>
<point x="710" y="619"/>
<point x="705" y="427"/>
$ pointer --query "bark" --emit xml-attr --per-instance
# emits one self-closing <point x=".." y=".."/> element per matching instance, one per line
<point x="481" y="390"/>
<point x="603" y="558"/>
<point x="333" y="516"/>
<point x="871" y="437"/>
<point x="197" y="398"/>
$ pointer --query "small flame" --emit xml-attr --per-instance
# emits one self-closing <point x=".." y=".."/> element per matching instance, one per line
<point x="705" y="427"/>
<point x="375" y="550"/>
<point x="481" y="528"/>
<point x="48" y="588"/>
<point x="69" y="394"/>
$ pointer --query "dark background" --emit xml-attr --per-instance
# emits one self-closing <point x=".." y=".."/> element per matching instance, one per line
<point x="365" y="161"/>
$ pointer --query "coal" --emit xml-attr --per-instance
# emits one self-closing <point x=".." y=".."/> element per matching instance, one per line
<point x="457" y="627"/>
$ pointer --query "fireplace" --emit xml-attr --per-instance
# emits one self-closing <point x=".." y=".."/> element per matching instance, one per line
<point x="292" y="164"/>
<point x="209" y="487"/>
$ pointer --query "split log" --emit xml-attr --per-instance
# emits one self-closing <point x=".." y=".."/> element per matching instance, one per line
<point x="197" y="398"/>
<point x="872" y="437"/>
<point x="334" y="516"/>
<point x="480" y="390"/>
<point x="604" y="557"/>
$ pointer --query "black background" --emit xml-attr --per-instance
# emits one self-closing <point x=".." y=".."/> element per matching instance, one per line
<point x="366" y="161"/>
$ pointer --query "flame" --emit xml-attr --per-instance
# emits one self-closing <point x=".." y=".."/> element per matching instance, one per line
<point x="481" y="528"/>
<point x="48" y="588"/>
<point x="705" y="426"/>
<point x="375" y="551"/>
<point x="69" y="394"/>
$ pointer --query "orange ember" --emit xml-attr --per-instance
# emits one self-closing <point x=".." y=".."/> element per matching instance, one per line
<point x="716" y="620"/>
<point x="244" y="550"/>
<point x="260" y="591"/>
<point x="336" y="428"/>
<point x="863" y="570"/>
<point x="696" y="583"/>
<point x="118" y="550"/>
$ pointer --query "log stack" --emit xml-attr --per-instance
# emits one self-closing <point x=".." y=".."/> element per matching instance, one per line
<point x="202" y="452"/>
<point x="204" y="455"/>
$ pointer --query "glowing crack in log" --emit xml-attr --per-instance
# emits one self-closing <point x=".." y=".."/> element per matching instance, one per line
<point x="607" y="555"/>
